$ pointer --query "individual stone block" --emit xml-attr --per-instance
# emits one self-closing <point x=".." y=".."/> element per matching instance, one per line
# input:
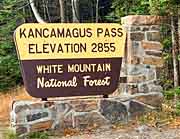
<point x="83" y="120"/>
<point x="137" y="36"/>
<point x="137" y="109"/>
<point x="122" y="89"/>
<point x="136" y="79"/>
<point x="67" y="121"/>
<point x="64" y="121"/>
<point x="84" y="105"/>
<point x="135" y="28"/>
<point x="155" y="88"/>
<point x="136" y="60"/>
<point x="154" y="99"/>
<point x="135" y="69"/>
<point x="41" y="126"/>
<point x="150" y="74"/>
<point x="143" y="88"/>
<point x="49" y="104"/>
<point x="155" y="28"/>
<point x="63" y="107"/>
<point x="37" y="116"/>
<point x="154" y="53"/>
<point x="113" y="111"/>
<point x="151" y="45"/>
<point x="153" y="36"/>
<point x="36" y="106"/>
<point x="158" y="62"/>
<point x="21" y="130"/>
<point x="20" y="108"/>
<point x="145" y="28"/>
<point x="137" y="49"/>
<point x="132" y="89"/>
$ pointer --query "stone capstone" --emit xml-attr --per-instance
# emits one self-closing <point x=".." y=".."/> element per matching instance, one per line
<point x="142" y="20"/>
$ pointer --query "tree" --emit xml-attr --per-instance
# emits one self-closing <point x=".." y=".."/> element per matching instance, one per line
<point x="10" y="16"/>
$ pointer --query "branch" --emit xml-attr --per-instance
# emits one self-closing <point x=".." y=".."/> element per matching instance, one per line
<point x="35" y="11"/>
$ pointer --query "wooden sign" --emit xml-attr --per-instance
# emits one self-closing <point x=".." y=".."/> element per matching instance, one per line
<point x="59" y="60"/>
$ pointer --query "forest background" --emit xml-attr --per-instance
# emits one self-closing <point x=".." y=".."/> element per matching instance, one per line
<point x="16" y="12"/>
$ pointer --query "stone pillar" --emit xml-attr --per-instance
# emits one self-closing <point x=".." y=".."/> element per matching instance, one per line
<point x="143" y="57"/>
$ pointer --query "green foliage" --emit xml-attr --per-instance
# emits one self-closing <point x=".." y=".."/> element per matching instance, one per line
<point x="178" y="108"/>
<point x="169" y="94"/>
<point x="9" y="66"/>
<point x="122" y="8"/>
<point x="38" y="135"/>
<point x="11" y="135"/>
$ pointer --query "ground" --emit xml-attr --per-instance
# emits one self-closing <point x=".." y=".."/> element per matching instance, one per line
<point x="143" y="133"/>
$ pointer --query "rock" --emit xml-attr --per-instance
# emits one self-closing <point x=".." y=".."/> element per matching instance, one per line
<point x="155" y="88"/>
<point x="143" y="88"/>
<point x="113" y="111"/>
<point x="20" y="108"/>
<point x="145" y="28"/>
<point x="158" y="62"/>
<point x="150" y="74"/>
<point x="137" y="108"/>
<point x="136" y="78"/>
<point x="142" y="129"/>
<point x="132" y="89"/>
<point x="137" y="49"/>
<point x="156" y="46"/>
<point x="154" y="53"/>
<point x="49" y="104"/>
<point x="41" y="126"/>
<point x="137" y="36"/>
<point x="63" y="107"/>
<point x="37" y="116"/>
<point x="136" y="60"/>
<point x="154" y="99"/>
<point x="21" y="130"/>
<point x="67" y="121"/>
<point x="155" y="28"/>
<point x="84" y="105"/>
<point x="36" y="106"/>
<point x="89" y="119"/>
<point x="153" y="36"/>
<point x="135" y="69"/>
<point x="135" y="28"/>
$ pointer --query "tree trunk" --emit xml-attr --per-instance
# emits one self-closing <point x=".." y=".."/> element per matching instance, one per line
<point x="75" y="10"/>
<point x="179" y="39"/>
<point x="35" y="12"/>
<point x="97" y="11"/>
<point x="62" y="14"/>
<point x="174" y="48"/>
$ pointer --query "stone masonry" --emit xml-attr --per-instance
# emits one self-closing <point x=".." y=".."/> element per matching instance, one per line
<point x="139" y="94"/>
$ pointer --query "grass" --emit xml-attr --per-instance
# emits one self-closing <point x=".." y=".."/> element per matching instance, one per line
<point x="10" y="135"/>
<point x="35" y="135"/>
<point x="38" y="135"/>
